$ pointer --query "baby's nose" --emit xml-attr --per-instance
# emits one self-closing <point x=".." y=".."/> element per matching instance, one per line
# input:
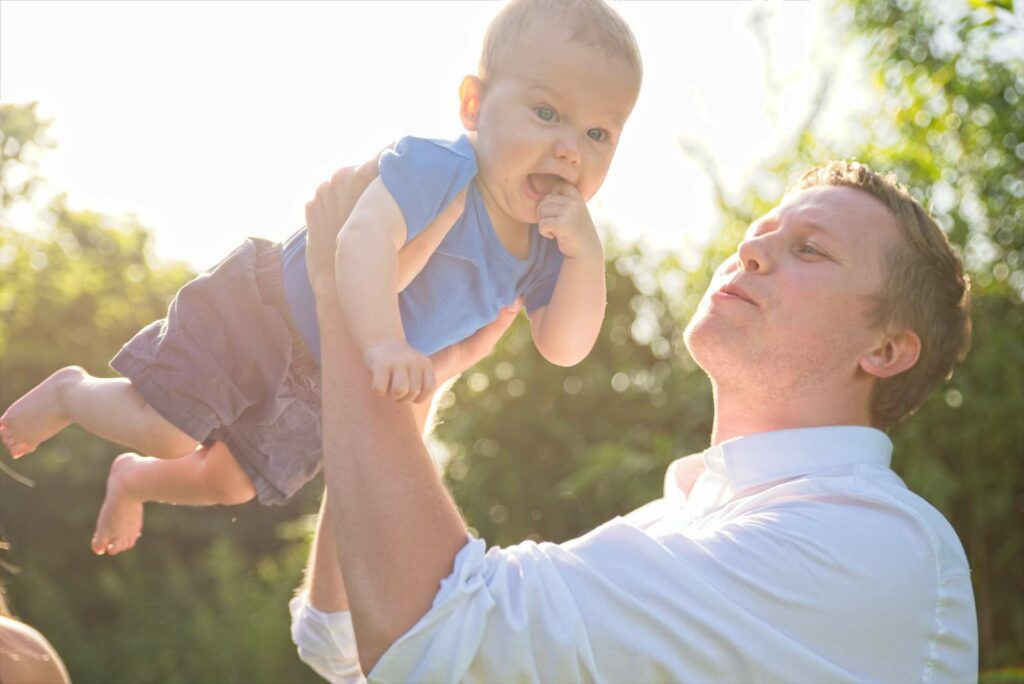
<point x="568" y="148"/>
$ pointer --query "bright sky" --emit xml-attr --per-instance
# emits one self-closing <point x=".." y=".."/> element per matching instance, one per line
<point x="211" y="121"/>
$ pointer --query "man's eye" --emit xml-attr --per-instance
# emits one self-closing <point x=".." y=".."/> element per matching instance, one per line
<point x="545" y="113"/>
<point x="809" y="249"/>
<point x="597" y="134"/>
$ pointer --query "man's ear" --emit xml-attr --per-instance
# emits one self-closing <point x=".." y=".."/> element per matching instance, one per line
<point x="894" y="355"/>
<point x="471" y="91"/>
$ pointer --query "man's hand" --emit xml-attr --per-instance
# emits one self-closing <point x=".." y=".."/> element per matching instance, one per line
<point x="416" y="252"/>
<point x="399" y="371"/>
<point x="463" y="355"/>
<point x="326" y="213"/>
<point x="563" y="215"/>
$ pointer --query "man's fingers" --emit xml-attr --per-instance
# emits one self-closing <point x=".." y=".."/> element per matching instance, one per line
<point x="483" y="340"/>
<point x="507" y="315"/>
<point x="364" y="174"/>
<point x="462" y="355"/>
<point x="450" y="214"/>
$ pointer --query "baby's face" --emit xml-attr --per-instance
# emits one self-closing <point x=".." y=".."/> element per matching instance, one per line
<point x="554" y="111"/>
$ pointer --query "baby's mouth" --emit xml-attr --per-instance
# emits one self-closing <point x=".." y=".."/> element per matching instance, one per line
<point x="542" y="184"/>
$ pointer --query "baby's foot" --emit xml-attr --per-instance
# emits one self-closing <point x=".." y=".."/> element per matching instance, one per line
<point x="119" y="524"/>
<point x="38" y="415"/>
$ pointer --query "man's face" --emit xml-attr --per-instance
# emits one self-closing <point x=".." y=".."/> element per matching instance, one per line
<point x="791" y="309"/>
<point x="553" y="112"/>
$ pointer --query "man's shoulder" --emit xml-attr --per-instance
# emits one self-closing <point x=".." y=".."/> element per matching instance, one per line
<point x="870" y="507"/>
<point x="929" y="522"/>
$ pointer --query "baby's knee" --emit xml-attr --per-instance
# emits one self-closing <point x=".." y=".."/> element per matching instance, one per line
<point x="228" y="482"/>
<point x="234" y="491"/>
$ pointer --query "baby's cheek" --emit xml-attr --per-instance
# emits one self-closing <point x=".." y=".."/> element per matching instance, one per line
<point x="591" y="181"/>
<point x="588" y="188"/>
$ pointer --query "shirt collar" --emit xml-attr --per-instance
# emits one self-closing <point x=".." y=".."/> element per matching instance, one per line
<point x="757" y="459"/>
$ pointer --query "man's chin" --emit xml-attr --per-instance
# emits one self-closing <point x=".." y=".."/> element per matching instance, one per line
<point x="708" y="338"/>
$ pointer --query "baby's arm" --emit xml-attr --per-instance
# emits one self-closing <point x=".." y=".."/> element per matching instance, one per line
<point x="367" y="278"/>
<point x="566" y="329"/>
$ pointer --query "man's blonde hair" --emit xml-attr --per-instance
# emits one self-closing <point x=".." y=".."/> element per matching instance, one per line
<point x="592" y="22"/>
<point x="926" y="290"/>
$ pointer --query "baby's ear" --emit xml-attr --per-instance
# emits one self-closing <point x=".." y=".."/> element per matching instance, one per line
<point x="470" y="92"/>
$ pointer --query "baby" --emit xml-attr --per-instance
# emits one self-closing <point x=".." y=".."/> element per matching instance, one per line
<point x="235" y="365"/>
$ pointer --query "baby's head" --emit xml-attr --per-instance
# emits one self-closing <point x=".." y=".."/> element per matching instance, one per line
<point x="557" y="81"/>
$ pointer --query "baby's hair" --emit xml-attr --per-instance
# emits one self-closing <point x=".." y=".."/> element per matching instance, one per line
<point x="592" y="22"/>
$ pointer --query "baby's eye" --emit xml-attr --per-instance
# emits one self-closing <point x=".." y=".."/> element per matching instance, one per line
<point x="546" y="113"/>
<point x="597" y="134"/>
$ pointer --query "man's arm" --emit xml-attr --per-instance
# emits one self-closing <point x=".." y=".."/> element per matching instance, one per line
<point x="395" y="530"/>
<point x="394" y="519"/>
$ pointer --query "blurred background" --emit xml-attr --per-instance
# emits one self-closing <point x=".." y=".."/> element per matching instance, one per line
<point x="139" y="143"/>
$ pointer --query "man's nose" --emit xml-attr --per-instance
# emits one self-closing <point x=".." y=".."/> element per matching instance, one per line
<point x="754" y="255"/>
<point x="567" y="148"/>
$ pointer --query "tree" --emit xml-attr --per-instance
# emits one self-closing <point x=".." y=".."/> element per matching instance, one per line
<point x="203" y="597"/>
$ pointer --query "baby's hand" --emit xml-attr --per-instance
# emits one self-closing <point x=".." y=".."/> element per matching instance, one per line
<point x="399" y="371"/>
<point x="563" y="215"/>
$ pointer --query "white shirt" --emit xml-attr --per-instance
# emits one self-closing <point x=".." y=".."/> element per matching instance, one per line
<point x="798" y="556"/>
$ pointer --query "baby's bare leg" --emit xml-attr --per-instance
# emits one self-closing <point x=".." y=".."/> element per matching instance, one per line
<point x="208" y="476"/>
<point x="108" y="407"/>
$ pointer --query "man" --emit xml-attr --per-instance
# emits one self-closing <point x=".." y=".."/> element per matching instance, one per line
<point x="788" y="551"/>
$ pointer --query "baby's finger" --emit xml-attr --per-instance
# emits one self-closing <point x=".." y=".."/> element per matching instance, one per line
<point x="381" y="379"/>
<point x="566" y="189"/>
<point x="425" y="381"/>
<point x="400" y="384"/>
<point x="551" y="200"/>
<point x="547" y="227"/>
<point x="415" y="385"/>
<point x="429" y="384"/>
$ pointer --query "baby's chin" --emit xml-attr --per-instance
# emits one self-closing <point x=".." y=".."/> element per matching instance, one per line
<point x="527" y="213"/>
<point x="530" y="217"/>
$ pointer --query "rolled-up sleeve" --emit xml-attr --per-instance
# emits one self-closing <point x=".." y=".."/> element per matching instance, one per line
<point x="506" y="614"/>
<point x="611" y="606"/>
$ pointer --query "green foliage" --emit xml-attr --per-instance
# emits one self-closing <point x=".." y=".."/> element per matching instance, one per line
<point x="535" y="451"/>
<point x="22" y="138"/>
<point x="203" y="598"/>
<point x="544" y="452"/>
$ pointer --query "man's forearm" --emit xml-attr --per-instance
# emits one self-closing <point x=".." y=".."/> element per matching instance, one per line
<point x="396" y="523"/>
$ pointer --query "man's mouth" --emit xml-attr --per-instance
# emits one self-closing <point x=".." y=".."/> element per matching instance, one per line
<point x="731" y="290"/>
<point x="541" y="184"/>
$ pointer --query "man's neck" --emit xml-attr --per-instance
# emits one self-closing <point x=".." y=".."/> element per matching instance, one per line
<point x="739" y="413"/>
